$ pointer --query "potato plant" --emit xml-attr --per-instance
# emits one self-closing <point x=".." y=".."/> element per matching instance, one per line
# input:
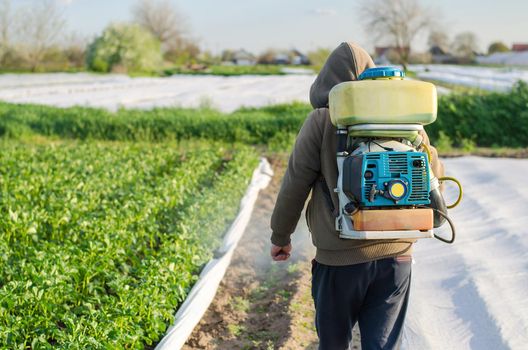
<point x="251" y="126"/>
<point x="100" y="242"/>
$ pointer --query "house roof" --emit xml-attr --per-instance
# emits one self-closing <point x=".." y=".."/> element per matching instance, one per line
<point x="519" y="47"/>
<point x="381" y="50"/>
<point x="437" y="50"/>
<point x="243" y="55"/>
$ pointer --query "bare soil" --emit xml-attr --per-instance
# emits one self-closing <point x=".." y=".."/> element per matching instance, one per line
<point x="262" y="304"/>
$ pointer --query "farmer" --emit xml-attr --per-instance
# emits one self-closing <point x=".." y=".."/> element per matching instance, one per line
<point x="352" y="281"/>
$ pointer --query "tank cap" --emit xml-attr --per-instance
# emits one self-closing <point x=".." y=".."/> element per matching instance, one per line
<point x="382" y="72"/>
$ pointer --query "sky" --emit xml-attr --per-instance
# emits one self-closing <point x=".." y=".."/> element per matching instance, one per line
<point x="256" y="25"/>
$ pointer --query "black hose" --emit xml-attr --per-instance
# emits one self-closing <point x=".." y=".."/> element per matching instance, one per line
<point x="388" y="149"/>
<point x="453" y="230"/>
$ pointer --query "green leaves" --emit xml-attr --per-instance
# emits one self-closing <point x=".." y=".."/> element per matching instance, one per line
<point x="488" y="120"/>
<point x="249" y="126"/>
<point x="102" y="241"/>
<point x="127" y="46"/>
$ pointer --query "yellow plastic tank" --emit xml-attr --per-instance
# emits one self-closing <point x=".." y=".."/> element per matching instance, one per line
<point x="383" y="100"/>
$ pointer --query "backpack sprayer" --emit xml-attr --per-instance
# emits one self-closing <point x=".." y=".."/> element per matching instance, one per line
<point x="386" y="186"/>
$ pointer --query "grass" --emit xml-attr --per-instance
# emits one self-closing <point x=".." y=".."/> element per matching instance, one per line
<point x="240" y="304"/>
<point x="218" y="70"/>
<point x="269" y="125"/>
<point x="235" y="329"/>
<point x="42" y="70"/>
<point x="499" y="152"/>
<point x="293" y="268"/>
<point x="227" y="71"/>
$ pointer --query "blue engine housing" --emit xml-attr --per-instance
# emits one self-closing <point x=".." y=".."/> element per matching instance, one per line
<point x="405" y="174"/>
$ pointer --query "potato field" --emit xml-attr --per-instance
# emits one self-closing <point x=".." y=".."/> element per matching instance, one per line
<point x="109" y="216"/>
<point x="100" y="241"/>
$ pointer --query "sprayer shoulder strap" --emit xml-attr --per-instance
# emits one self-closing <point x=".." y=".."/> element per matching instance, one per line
<point x="326" y="193"/>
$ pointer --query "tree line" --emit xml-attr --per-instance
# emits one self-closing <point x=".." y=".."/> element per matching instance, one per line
<point x="397" y="23"/>
<point x="35" y="38"/>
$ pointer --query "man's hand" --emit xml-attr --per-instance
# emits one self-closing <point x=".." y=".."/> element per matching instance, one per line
<point x="280" y="253"/>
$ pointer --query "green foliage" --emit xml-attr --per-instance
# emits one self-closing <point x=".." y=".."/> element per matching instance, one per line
<point x="124" y="48"/>
<point x="261" y="69"/>
<point x="250" y="125"/>
<point x="282" y="142"/>
<point x="54" y="59"/>
<point x="100" y="242"/>
<point x="184" y="53"/>
<point x="443" y="143"/>
<point x="468" y="145"/>
<point x="497" y="46"/>
<point x="486" y="120"/>
<point x="318" y="57"/>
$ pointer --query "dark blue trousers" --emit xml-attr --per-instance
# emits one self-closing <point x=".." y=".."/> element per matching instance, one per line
<point x="374" y="294"/>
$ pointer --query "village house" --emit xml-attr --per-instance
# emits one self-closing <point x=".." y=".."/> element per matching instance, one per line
<point x="518" y="47"/>
<point x="243" y="58"/>
<point x="440" y="55"/>
<point x="384" y="54"/>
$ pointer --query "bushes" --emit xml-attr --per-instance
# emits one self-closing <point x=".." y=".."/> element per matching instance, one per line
<point x="487" y="120"/>
<point x="124" y="48"/>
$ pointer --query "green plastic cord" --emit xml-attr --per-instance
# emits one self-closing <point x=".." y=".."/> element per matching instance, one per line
<point x="460" y="190"/>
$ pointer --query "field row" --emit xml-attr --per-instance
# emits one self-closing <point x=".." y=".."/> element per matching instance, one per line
<point x="113" y="92"/>
<point x="473" y="119"/>
<point x="251" y="126"/>
<point x="101" y="241"/>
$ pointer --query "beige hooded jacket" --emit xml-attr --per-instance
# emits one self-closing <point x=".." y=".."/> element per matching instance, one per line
<point x="313" y="163"/>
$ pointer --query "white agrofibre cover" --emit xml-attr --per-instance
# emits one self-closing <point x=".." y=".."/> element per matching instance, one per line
<point x="204" y="290"/>
<point x="473" y="294"/>
<point x="506" y="58"/>
<point x="120" y="91"/>
<point x="493" y="79"/>
<point x="114" y="91"/>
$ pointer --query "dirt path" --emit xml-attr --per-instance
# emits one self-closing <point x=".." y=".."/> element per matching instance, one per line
<point x="261" y="304"/>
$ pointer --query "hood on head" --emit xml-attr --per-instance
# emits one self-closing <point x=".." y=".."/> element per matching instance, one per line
<point x="345" y="63"/>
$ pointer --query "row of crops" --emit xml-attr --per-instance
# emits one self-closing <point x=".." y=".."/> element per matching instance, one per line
<point x="485" y="119"/>
<point x="101" y="241"/>
<point x="250" y="126"/>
